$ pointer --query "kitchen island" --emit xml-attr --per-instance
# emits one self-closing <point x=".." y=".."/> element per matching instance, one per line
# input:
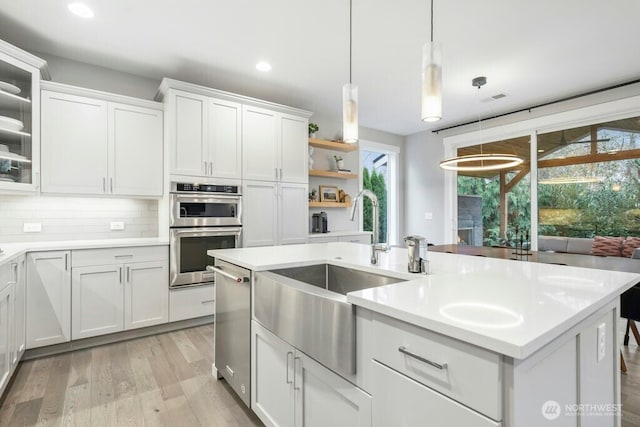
<point x="478" y="341"/>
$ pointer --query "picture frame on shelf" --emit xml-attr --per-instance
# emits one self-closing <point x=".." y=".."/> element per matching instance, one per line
<point x="328" y="193"/>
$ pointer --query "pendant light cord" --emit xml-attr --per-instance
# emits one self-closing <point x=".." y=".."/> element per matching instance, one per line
<point x="431" y="21"/>
<point x="350" y="37"/>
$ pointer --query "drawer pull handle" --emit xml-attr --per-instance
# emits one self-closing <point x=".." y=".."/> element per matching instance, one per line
<point x="209" y="301"/>
<point x="402" y="349"/>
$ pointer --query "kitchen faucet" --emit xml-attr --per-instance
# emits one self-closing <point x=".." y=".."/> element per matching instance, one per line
<point x="376" y="246"/>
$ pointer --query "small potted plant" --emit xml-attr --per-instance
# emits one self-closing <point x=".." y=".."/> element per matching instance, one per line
<point x="313" y="129"/>
<point x="339" y="162"/>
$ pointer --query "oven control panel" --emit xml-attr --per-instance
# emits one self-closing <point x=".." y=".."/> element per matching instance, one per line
<point x="182" y="187"/>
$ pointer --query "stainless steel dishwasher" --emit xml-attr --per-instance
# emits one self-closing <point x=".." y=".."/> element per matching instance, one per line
<point x="233" y="327"/>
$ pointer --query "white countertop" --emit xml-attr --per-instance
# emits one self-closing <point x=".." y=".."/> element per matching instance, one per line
<point x="510" y="307"/>
<point x="10" y="250"/>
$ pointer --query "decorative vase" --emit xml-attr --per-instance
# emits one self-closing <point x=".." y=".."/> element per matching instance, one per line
<point x="340" y="164"/>
<point x="312" y="134"/>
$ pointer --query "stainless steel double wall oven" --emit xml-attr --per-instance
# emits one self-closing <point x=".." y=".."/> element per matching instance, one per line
<point x="203" y="217"/>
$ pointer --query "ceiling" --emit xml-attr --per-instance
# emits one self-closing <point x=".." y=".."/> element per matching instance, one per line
<point x="533" y="52"/>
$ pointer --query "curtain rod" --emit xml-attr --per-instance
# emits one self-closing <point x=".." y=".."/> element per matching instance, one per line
<point x="569" y="98"/>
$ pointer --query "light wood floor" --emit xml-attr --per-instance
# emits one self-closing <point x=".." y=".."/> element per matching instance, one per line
<point x="163" y="380"/>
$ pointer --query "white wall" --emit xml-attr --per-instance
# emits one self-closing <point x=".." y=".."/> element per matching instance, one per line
<point x="424" y="186"/>
<point x="73" y="218"/>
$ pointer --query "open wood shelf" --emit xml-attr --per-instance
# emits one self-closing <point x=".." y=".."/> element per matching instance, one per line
<point x="332" y="174"/>
<point x="332" y="145"/>
<point x="329" y="205"/>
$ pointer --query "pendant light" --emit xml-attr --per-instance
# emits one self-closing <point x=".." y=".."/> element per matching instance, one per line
<point x="481" y="162"/>
<point x="431" y="79"/>
<point x="350" y="97"/>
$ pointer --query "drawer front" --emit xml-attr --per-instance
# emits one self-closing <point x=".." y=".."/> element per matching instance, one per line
<point x="401" y="402"/>
<point x="464" y="372"/>
<point x="189" y="303"/>
<point x="88" y="257"/>
<point x="356" y="238"/>
<point x="322" y="239"/>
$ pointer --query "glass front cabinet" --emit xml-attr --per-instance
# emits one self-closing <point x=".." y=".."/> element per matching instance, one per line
<point x="20" y="74"/>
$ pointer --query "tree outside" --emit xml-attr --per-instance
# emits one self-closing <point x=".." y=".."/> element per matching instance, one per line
<point x="375" y="182"/>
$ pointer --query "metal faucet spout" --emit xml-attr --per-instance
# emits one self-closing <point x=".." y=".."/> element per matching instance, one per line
<point x="376" y="247"/>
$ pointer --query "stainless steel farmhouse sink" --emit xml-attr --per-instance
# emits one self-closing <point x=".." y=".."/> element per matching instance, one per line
<point x="307" y="307"/>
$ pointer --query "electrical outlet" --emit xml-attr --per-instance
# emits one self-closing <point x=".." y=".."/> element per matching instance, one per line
<point x="428" y="215"/>
<point x="117" y="225"/>
<point x="32" y="227"/>
<point x="602" y="341"/>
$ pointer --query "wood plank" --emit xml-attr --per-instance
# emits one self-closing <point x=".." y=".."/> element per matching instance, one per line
<point x="154" y="411"/>
<point x="185" y="346"/>
<point x="129" y="412"/>
<point x="179" y="365"/>
<point x="26" y="413"/>
<point x="332" y="174"/>
<point x="329" y="205"/>
<point x="14" y="392"/>
<point x="164" y="377"/>
<point x="77" y="406"/>
<point x="590" y="158"/>
<point x="124" y="384"/>
<point x="143" y="375"/>
<point x="332" y="145"/>
<point x="53" y="399"/>
<point x="201" y="344"/>
<point x="103" y="410"/>
<point x="37" y="380"/>
<point x="180" y="412"/>
<point x="80" y="372"/>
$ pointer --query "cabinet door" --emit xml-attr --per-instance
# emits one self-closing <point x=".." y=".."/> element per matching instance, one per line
<point x="135" y="150"/>
<point x="187" y="133"/>
<point x="400" y="401"/>
<point x="272" y="394"/>
<point x="6" y="329"/>
<point x="19" y="310"/>
<point x="260" y="145"/>
<point x="259" y="213"/>
<point x="225" y="144"/>
<point x="295" y="148"/>
<point x="146" y="297"/>
<point x="294" y="213"/>
<point x="48" y="298"/>
<point x="323" y="398"/>
<point x="74" y="144"/>
<point x="97" y="300"/>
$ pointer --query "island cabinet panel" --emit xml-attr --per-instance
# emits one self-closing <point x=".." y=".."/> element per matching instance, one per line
<point x="463" y="372"/>
<point x="291" y="389"/>
<point x="400" y="401"/>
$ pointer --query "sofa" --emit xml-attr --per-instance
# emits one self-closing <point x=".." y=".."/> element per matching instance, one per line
<point x="628" y="247"/>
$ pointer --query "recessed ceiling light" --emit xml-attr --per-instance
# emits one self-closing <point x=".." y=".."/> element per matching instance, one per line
<point x="80" y="9"/>
<point x="263" y="66"/>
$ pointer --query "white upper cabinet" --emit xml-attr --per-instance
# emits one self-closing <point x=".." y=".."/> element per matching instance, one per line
<point x="135" y="150"/>
<point x="186" y="114"/>
<point x="225" y="142"/>
<point x="95" y="146"/>
<point x="20" y="73"/>
<point x="275" y="146"/>
<point x="204" y="136"/>
<point x="261" y="148"/>
<point x="74" y="144"/>
<point x="294" y="148"/>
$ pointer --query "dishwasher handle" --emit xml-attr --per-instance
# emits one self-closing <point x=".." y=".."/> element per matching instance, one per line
<point x="238" y="279"/>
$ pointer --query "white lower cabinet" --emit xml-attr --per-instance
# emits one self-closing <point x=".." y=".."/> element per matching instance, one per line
<point x="111" y="296"/>
<point x="291" y="389"/>
<point x="400" y="401"/>
<point x="48" y="298"/>
<point x="191" y="302"/>
<point x="19" y="309"/>
<point x="6" y="327"/>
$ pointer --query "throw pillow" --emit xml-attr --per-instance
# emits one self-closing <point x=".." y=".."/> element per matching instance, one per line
<point x="607" y="246"/>
<point x="630" y="243"/>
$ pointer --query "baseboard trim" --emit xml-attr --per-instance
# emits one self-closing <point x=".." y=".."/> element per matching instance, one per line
<point x="51" y="350"/>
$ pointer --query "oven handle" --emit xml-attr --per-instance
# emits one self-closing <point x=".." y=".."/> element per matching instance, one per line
<point x="238" y="279"/>
<point x="210" y="231"/>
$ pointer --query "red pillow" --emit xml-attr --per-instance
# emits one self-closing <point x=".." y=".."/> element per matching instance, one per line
<point x="629" y="244"/>
<point x="607" y="246"/>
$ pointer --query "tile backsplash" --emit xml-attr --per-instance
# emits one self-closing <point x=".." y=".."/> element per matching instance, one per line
<point x="72" y="218"/>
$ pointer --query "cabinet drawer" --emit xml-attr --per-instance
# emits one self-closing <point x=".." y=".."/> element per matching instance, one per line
<point x="322" y="239"/>
<point x="88" y="257"/>
<point x="192" y="302"/>
<point x="400" y="401"/>
<point x="468" y="374"/>
<point x="356" y="238"/>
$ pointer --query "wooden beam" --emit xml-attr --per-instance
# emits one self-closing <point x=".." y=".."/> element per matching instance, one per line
<point x="594" y="139"/>
<point x="590" y="158"/>
<point x="516" y="179"/>
<point x="503" y="204"/>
